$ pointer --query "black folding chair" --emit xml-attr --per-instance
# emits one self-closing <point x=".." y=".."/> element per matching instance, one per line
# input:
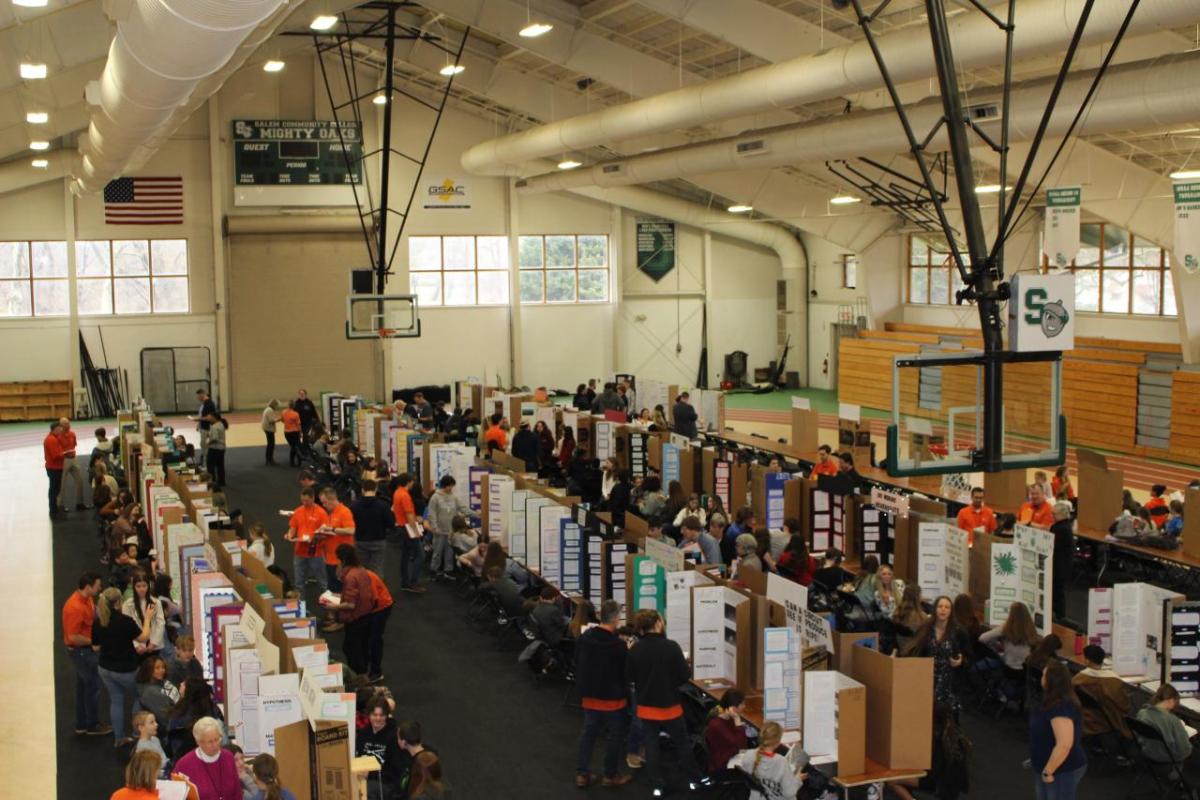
<point x="1167" y="775"/>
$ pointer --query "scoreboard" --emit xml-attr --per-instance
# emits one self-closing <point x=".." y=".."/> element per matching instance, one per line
<point x="296" y="153"/>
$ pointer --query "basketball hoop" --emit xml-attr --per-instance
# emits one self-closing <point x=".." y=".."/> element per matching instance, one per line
<point x="384" y="333"/>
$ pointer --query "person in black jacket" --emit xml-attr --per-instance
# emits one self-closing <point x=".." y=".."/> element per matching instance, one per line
<point x="684" y="416"/>
<point x="1063" y="530"/>
<point x="600" y="656"/>
<point x="525" y="447"/>
<point x="307" y="411"/>
<point x="657" y="668"/>
<point x="620" y="497"/>
<point x="377" y="738"/>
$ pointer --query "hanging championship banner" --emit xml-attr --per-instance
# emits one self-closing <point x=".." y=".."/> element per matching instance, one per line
<point x="655" y="247"/>
<point x="1187" y="226"/>
<point x="1061" y="240"/>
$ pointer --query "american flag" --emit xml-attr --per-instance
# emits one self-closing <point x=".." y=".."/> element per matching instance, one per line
<point x="144" y="201"/>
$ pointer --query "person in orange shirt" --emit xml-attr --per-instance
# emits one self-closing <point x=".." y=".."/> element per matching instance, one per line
<point x="77" y="615"/>
<point x="304" y="529"/>
<point x="1060" y="484"/>
<point x="496" y="436"/>
<point x="412" y="553"/>
<point x="1157" y="504"/>
<point x="291" y="432"/>
<point x="825" y="464"/>
<point x="976" y="516"/>
<point x="339" y="530"/>
<point x="52" y="450"/>
<point x="1037" y="512"/>
<point x="141" y="778"/>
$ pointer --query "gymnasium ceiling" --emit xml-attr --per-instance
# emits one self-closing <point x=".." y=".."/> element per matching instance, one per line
<point x="602" y="53"/>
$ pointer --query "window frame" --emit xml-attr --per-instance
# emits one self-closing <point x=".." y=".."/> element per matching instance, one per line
<point x="31" y="281"/>
<point x="849" y="264"/>
<point x="475" y="269"/>
<point x="1129" y="268"/>
<point x="150" y="276"/>
<point x="544" y="269"/>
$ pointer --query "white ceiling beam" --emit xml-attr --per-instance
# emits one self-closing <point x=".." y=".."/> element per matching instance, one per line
<point x="569" y="45"/>
<point x="754" y="26"/>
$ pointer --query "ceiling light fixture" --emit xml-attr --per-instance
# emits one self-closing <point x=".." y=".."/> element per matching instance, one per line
<point x="39" y="145"/>
<point x="32" y="72"/>
<point x="991" y="188"/>
<point x="323" y="22"/>
<point x="740" y="209"/>
<point x="569" y="163"/>
<point x="535" y="29"/>
<point x="31" y="3"/>
<point x="451" y="69"/>
<point x="40" y="163"/>
<point x="37" y="117"/>
<point x="1185" y="174"/>
<point x="845" y="200"/>
<point x="273" y="65"/>
<point x="380" y="100"/>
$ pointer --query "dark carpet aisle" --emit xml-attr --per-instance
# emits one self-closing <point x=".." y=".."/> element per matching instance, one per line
<point x="500" y="735"/>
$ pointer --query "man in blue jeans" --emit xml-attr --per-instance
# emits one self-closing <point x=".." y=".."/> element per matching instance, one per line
<point x="77" y="615"/>
<point x="600" y="674"/>
<point x="305" y="522"/>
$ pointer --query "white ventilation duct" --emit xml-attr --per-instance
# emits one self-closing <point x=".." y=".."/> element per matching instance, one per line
<point x="1042" y="27"/>
<point x="792" y="256"/>
<point x="168" y="56"/>
<point x="1162" y="92"/>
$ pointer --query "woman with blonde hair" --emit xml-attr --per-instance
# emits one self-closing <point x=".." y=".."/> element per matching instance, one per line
<point x="773" y="773"/>
<point x="115" y="634"/>
<point x="260" y="544"/>
<point x="141" y="778"/>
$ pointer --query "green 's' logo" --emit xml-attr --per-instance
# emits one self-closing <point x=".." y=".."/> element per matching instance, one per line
<point x="1051" y="316"/>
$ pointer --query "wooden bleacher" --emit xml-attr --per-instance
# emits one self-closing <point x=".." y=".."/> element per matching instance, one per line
<point x="1100" y="387"/>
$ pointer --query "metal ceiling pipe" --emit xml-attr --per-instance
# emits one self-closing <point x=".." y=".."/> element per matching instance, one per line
<point x="1043" y="26"/>
<point x="1150" y="94"/>
<point x="792" y="256"/>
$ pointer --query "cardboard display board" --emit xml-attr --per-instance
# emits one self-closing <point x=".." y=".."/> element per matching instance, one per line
<point x="780" y="676"/>
<point x="1181" y="646"/>
<point x="806" y="425"/>
<point x="854" y="436"/>
<point x="1138" y="610"/>
<point x="722" y="635"/>
<point x="1099" y="490"/>
<point x="679" y="605"/>
<point x="1005" y="489"/>
<point x="315" y="763"/>
<point x="1035" y="565"/>
<point x="899" y="693"/>
<point x="1190" y="539"/>
<point x="835" y="711"/>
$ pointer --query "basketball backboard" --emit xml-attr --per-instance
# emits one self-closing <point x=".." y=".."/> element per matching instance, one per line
<point x="939" y="414"/>
<point x="382" y="316"/>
